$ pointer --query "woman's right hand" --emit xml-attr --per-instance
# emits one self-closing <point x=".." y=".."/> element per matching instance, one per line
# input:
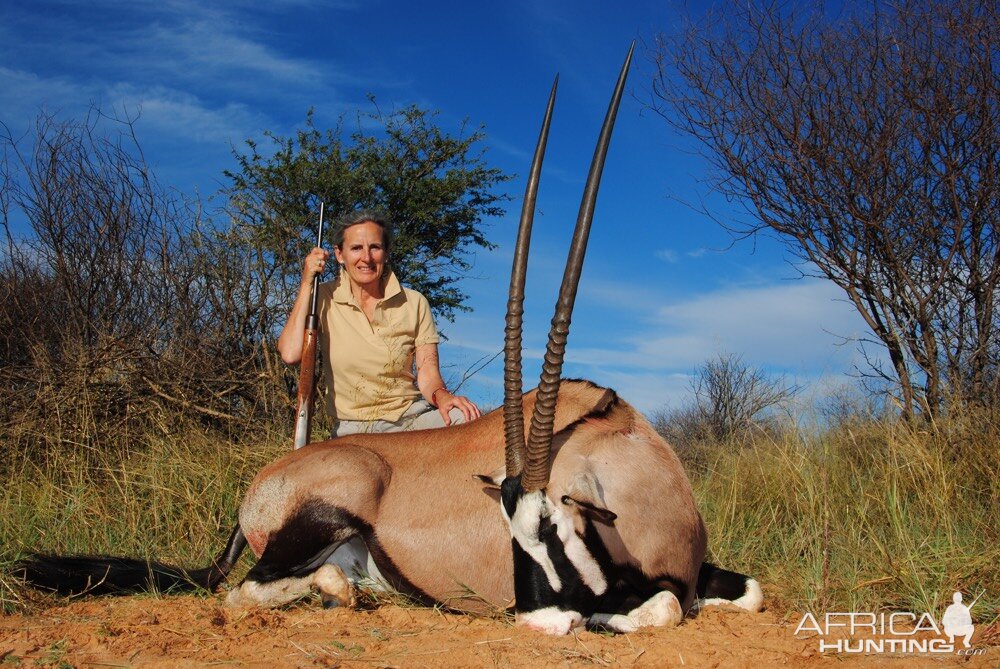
<point x="314" y="264"/>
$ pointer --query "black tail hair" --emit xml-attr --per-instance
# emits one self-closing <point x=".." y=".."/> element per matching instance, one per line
<point x="109" y="575"/>
<point x="717" y="583"/>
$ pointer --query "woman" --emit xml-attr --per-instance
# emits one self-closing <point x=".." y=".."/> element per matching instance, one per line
<point x="374" y="332"/>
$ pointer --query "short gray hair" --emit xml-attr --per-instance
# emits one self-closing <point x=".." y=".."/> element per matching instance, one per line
<point x="362" y="216"/>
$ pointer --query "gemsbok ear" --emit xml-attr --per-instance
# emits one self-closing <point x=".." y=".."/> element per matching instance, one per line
<point x="584" y="493"/>
<point x="492" y="481"/>
<point x="591" y="511"/>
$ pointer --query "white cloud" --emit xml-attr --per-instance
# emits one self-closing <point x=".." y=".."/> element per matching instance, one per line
<point x="212" y="49"/>
<point x="184" y="117"/>
<point x="790" y="328"/>
<point x="788" y="324"/>
<point x="667" y="255"/>
<point x="23" y="94"/>
<point x="163" y="112"/>
<point x="207" y="48"/>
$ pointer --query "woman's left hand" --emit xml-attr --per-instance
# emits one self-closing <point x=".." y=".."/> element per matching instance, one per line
<point x="446" y="401"/>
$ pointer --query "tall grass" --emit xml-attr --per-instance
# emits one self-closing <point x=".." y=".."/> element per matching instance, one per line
<point x="170" y="498"/>
<point x="863" y="516"/>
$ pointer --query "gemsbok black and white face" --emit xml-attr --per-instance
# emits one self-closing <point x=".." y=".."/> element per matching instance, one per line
<point x="564" y="578"/>
<point x="558" y="580"/>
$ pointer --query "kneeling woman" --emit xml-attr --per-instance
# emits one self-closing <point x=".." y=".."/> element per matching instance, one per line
<point x="379" y="342"/>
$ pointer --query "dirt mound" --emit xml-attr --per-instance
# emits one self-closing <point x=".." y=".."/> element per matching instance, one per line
<point x="192" y="631"/>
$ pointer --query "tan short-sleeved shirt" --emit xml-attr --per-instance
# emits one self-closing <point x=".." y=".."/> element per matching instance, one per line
<point x="368" y="366"/>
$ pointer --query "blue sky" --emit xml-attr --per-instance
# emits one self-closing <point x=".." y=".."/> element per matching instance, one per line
<point x="663" y="288"/>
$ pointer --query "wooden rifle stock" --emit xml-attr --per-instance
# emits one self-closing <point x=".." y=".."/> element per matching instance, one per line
<point x="307" y="366"/>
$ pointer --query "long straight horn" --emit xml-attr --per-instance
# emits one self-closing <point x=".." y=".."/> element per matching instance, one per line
<point x="538" y="462"/>
<point x="513" y="409"/>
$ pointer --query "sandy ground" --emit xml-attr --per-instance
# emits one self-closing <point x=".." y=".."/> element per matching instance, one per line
<point x="186" y="631"/>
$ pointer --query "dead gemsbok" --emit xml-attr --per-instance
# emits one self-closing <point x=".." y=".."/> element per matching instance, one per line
<point x="601" y="524"/>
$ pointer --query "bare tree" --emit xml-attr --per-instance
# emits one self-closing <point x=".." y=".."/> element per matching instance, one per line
<point x="733" y="403"/>
<point x="122" y="308"/>
<point x="870" y="143"/>
<point x="731" y="396"/>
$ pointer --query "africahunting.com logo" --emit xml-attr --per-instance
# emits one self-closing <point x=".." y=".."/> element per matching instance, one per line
<point x="899" y="632"/>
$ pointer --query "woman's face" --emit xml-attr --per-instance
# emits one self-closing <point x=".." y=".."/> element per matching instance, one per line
<point x="363" y="253"/>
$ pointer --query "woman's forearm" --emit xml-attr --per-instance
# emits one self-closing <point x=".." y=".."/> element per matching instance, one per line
<point x="428" y="371"/>
<point x="432" y="387"/>
<point x="290" y="339"/>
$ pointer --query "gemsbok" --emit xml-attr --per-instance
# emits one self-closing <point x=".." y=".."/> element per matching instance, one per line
<point x="596" y="524"/>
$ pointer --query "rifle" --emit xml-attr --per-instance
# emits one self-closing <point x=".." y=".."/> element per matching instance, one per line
<point x="307" y="367"/>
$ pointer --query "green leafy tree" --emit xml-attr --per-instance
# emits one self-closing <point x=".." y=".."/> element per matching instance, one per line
<point x="437" y="188"/>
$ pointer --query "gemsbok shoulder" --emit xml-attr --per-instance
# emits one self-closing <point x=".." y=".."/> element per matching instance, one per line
<point x="590" y="520"/>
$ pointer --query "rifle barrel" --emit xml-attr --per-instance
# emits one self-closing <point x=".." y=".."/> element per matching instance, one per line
<point x="307" y="366"/>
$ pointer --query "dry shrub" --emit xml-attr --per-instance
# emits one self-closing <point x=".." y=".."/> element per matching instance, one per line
<point x="125" y="314"/>
<point x="733" y="403"/>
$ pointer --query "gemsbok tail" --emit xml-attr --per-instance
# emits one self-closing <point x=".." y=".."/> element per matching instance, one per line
<point x="109" y="575"/>
<point x="720" y="586"/>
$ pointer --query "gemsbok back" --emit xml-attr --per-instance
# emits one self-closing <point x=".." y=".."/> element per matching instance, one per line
<point x="597" y="523"/>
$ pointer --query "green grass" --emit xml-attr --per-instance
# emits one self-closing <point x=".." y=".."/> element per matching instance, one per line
<point x="864" y="517"/>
